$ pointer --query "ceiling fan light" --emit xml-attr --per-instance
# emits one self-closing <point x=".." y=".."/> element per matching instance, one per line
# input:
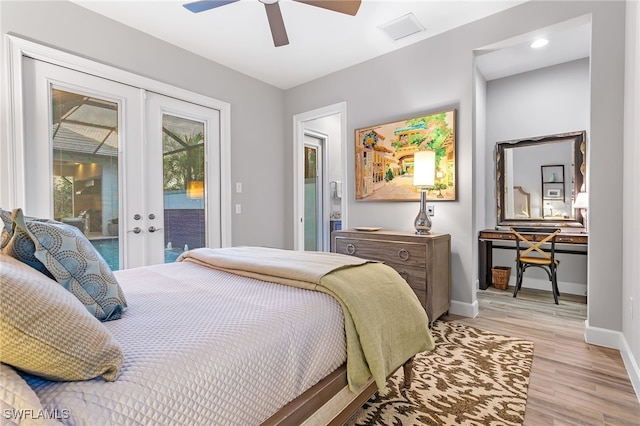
<point x="269" y="1"/>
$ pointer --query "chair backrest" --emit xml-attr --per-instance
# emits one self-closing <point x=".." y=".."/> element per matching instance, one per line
<point x="532" y="246"/>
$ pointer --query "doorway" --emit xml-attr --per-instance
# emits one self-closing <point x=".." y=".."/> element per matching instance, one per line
<point x="137" y="172"/>
<point x="328" y="123"/>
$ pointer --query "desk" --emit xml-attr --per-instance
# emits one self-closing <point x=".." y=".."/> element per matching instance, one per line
<point x="486" y="238"/>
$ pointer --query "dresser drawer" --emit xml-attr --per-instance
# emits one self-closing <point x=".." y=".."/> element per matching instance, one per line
<point x="416" y="279"/>
<point x="415" y="276"/>
<point x="398" y="253"/>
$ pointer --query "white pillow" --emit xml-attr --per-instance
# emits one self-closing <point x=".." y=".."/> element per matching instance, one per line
<point x="49" y="333"/>
<point x="19" y="404"/>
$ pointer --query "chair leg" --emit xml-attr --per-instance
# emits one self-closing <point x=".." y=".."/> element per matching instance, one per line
<point x="554" y="285"/>
<point x="518" y="280"/>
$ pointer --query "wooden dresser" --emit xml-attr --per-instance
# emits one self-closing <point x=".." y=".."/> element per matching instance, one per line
<point x="422" y="260"/>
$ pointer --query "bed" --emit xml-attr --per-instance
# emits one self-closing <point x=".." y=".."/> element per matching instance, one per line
<point x="244" y="335"/>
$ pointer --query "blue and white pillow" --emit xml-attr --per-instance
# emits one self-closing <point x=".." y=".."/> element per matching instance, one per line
<point x="5" y="234"/>
<point x="75" y="264"/>
<point x="18" y="244"/>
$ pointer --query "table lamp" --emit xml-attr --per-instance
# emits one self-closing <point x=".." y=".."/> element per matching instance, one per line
<point x="424" y="171"/>
<point x="582" y="203"/>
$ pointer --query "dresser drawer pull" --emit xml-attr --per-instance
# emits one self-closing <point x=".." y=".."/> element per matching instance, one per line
<point x="351" y="249"/>
<point x="403" y="254"/>
<point x="404" y="275"/>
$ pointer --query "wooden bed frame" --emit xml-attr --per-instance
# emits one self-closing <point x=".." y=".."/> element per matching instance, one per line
<point x="301" y="408"/>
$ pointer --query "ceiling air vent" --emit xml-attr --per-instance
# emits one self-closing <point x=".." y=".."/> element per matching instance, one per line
<point x="403" y="26"/>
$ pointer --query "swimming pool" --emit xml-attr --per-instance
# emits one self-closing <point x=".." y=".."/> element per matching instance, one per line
<point x="109" y="249"/>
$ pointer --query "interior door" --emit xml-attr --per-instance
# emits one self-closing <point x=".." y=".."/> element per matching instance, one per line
<point x="95" y="160"/>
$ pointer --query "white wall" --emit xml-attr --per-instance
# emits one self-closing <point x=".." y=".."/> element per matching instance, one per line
<point x="257" y="125"/>
<point x="542" y="102"/>
<point x="537" y="103"/>
<point x="631" y="206"/>
<point x="480" y="146"/>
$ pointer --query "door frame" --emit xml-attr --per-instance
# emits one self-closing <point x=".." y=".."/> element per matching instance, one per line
<point x="14" y="147"/>
<point x="299" y="129"/>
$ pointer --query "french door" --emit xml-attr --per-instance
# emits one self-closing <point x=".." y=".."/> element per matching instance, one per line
<point x="183" y="140"/>
<point x="136" y="171"/>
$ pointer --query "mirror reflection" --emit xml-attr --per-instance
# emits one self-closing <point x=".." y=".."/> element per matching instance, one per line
<point x="539" y="178"/>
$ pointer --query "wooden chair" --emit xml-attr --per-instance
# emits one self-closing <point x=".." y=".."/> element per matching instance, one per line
<point x="530" y="254"/>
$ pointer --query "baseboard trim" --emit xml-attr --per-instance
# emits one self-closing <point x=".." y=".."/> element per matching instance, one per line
<point x="631" y="365"/>
<point x="564" y="286"/>
<point x="615" y="340"/>
<point x="463" y="309"/>
<point x="602" y="336"/>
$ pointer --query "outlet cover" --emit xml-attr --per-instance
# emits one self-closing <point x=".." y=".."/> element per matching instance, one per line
<point x="431" y="210"/>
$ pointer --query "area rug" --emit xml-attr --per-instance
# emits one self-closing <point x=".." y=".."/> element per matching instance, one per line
<point x="473" y="377"/>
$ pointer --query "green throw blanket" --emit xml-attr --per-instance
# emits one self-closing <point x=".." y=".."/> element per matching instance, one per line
<point x="385" y="324"/>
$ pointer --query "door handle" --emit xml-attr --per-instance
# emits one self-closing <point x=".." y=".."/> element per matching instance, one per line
<point x="154" y="229"/>
<point x="136" y="230"/>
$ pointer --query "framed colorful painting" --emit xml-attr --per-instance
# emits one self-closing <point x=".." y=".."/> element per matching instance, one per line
<point x="384" y="158"/>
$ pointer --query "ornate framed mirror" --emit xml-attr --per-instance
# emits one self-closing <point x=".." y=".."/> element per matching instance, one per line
<point x="538" y="179"/>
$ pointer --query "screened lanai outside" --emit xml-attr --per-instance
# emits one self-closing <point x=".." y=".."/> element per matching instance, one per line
<point x="86" y="186"/>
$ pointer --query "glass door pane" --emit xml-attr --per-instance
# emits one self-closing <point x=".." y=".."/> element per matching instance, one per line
<point x="184" y="185"/>
<point x="310" y="198"/>
<point x="85" y="168"/>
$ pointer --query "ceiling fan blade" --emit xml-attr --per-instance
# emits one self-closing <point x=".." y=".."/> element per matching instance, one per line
<point x="201" y="6"/>
<point x="278" y="31"/>
<point x="349" y="7"/>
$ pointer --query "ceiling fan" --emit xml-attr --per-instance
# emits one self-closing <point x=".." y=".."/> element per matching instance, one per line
<point x="278" y="31"/>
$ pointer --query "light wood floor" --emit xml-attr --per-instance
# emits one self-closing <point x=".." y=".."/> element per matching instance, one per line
<point x="571" y="382"/>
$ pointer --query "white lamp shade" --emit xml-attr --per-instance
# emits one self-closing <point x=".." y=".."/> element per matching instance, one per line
<point x="424" y="168"/>
<point x="582" y="201"/>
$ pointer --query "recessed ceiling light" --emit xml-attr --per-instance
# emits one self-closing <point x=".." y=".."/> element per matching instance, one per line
<point x="539" y="43"/>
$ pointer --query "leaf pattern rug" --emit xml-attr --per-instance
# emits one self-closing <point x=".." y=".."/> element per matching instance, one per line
<point x="472" y="377"/>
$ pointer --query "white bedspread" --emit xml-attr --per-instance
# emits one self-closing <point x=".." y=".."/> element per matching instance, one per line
<point x="205" y="347"/>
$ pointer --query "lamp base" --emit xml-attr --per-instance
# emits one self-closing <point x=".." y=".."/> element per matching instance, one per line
<point x="423" y="221"/>
<point x="585" y="220"/>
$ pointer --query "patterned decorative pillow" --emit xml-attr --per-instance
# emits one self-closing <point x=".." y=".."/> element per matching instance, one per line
<point x="47" y="332"/>
<point x="5" y="215"/>
<point x="17" y="243"/>
<point x="5" y="234"/>
<point x="75" y="264"/>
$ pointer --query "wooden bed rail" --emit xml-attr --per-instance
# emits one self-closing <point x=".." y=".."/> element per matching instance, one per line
<point x="301" y="408"/>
